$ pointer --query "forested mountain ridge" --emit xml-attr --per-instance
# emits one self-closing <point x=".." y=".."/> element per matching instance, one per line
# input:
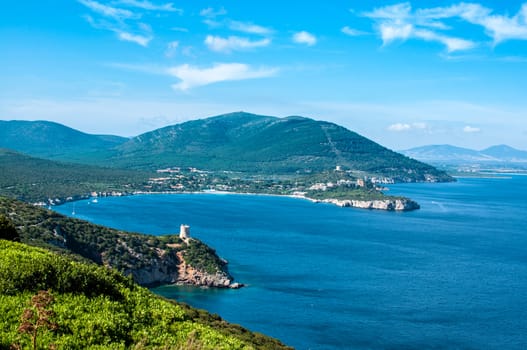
<point x="268" y="145"/>
<point x="246" y="143"/>
<point x="51" y="140"/>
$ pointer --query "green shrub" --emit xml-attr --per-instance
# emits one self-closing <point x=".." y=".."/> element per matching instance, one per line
<point x="96" y="308"/>
<point x="8" y="230"/>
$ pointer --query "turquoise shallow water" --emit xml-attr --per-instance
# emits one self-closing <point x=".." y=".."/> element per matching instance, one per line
<point x="452" y="275"/>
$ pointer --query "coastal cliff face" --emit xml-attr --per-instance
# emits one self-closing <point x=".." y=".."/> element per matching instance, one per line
<point x="171" y="267"/>
<point x="188" y="274"/>
<point x="160" y="269"/>
<point x="380" y="204"/>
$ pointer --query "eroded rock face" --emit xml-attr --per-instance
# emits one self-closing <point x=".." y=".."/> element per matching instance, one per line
<point x="160" y="270"/>
<point x="171" y="268"/>
<point x="189" y="275"/>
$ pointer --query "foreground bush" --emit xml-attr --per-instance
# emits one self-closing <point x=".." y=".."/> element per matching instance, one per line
<point x="96" y="308"/>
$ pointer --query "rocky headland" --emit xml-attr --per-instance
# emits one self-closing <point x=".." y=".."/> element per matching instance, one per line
<point x="181" y="260"/>
<point x="150" y="260"/>
<point x="399" y="204"/>
<point x="171" y="267"/>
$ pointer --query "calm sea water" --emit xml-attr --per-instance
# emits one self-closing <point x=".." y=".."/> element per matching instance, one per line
<point x="452" y="275"/>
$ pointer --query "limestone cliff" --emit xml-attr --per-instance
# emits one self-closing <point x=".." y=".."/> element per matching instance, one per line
<point x="390" y="204"/>
<point x="188" y="274"/>
<point x="174" y="265"/>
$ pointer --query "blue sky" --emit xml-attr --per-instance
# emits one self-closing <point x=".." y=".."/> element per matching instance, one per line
<point x="404" y="74"/>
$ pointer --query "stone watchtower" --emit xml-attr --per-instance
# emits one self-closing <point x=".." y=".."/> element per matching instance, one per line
<point x="184" y="232"/>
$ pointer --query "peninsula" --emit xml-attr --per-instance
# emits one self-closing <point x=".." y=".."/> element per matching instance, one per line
<point x="149" y="260"/>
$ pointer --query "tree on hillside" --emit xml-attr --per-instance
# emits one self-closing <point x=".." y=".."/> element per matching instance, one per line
<point x="8" y="230"/>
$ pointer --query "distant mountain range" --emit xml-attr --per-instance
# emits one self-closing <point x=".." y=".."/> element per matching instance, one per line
<point x="239" y="142"/>
<point x="500" y="155"/>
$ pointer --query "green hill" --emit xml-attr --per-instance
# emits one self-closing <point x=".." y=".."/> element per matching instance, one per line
<point x="239" y="142"/>
<point x="54" y="141"/>
<point x="85" y="306"/>
<point x="33" y="179"/>
<point x="267" y="145"/>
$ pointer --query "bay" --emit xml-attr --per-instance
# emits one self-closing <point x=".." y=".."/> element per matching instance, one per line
<point x="452" y="275"/>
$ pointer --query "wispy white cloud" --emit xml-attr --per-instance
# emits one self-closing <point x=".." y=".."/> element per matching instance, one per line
<point x="351" y="32"/>
<point x="212" y="23"/>
<point x="108" y="11"/>
<point x="401" y="22"/>
<point x="249" y="28"/>
<point x="452" y="44"/>
<point x="398" y="127"/>
<point x="192" y="77"/>
<point x="470" y="129"/>
<point x="499" y="27"/>
<point x="232" y="43"/>
<point x="135" y="38"/>
<point x="147" y="5"/>
<point x="210" y="12"/>
<point x="116" y="20"/>
<point x="304" y="37"/>
<point x="122" y="34"/>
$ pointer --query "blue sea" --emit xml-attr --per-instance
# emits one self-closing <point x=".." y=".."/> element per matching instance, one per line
<point x="452" y="275"/>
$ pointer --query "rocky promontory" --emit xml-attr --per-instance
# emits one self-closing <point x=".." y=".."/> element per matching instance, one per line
<point x="181" y="260"/>
<point x="150" y="260"/>
<point x="171" y="267"/>
<point x="390" y="204"/>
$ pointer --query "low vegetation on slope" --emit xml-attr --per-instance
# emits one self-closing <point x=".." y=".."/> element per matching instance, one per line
<point x="91" y="307"/>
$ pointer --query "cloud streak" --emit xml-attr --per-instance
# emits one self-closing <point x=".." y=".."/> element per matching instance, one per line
<point x="108" y="11"/>
<point x="210" y="12"/>
<point x="138" y="39"/>
<point x="123" y="21"/>
<point x="249" y="28"/>
<point x="398" y="127"/>
<point x="233" y="43"/>
<point x="147" y="5"/>
<point x="351" y="32"/>
<point x="470" y="129"/>
<point x="192" y="77"/>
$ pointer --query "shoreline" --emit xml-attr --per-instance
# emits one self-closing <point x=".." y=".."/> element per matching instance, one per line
<point x="388" y="204"/>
